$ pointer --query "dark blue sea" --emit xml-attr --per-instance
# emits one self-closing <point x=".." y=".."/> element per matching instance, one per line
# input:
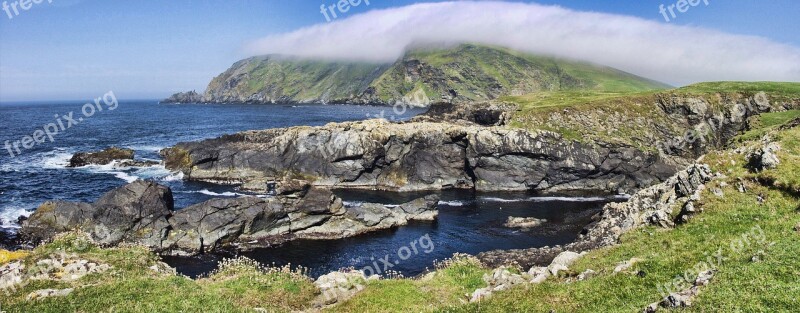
<point x="468" y="222"/>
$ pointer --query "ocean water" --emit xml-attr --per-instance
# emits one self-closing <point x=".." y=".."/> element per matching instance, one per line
<point x="468" y="222"/>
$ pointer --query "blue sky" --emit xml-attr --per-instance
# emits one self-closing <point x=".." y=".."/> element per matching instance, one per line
<point x="78" y="49"/>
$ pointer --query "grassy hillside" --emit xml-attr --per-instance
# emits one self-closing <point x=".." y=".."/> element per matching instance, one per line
<point x="277" y="79"/>
<point x="632" y="117"/>
<point x="464" y="73"/>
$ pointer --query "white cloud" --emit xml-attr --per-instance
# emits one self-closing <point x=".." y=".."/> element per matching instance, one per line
<point x="670" y="53"/>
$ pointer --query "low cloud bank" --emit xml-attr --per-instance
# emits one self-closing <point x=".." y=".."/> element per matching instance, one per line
<point x="674" y="54"/>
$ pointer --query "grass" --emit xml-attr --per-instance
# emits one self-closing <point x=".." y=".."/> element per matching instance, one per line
<point x="131" y="286"/>
<point x="764" y="123"/>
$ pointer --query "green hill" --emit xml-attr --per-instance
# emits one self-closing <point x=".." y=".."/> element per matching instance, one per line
<point x="465" y="72"/>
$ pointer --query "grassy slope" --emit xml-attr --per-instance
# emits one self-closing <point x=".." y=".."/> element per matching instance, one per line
<point x="628" y="117"/>
<point x="475" y="72"/>
<point x="298" y="79"/>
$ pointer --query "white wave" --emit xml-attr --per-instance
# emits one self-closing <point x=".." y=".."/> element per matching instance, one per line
<point x="562" y="199"/>
<point x="173" y="177"/>
<point x="125" y="176"/>
<point x="150" y="148"/>
<point x="217" y="194"/>
<point x="9" y="216"/>
<point x="453" y="203"/>
<point x="352" y="203"/>
<point x="56" y="159"/>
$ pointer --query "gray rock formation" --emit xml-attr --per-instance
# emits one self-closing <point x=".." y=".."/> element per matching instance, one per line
<point x="764" y="158"/>
<point x="184" y="97"/>
<point x="418" y="156"/>
<point x="143" y="213"/>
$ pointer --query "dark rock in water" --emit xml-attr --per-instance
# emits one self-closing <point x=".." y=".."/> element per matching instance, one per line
<point x="123" y="157"/>
<point x="131" y="213"/>
<point x="143" y="213"/>
<point x="184" y="97"/>
<point x="101" y="157"/>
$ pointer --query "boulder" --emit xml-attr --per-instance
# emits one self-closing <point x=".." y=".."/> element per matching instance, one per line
<point x="339" y="286"/>
<point x="523" y="222"/>
<point x="764" y="158"/>
<point x="135" y="212"/>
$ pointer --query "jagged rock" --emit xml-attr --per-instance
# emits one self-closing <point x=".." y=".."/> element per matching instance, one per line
<point x="500" y="279"/>
<point x="103" y="157"/>
<point x="764" y="158"/>
<point x="47" y="293"/>
<point x="418" y="156"/>
<point x="134" y="213"/>
<point x="143" y="213"/>
<point x="523" y="222"/>
<point x="662" y="219"/>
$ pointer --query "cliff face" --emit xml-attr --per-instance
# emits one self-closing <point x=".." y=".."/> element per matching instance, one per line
<point x="463" y="73"/>
<point x="417" y="156"/>
<point x="469" y="146"/>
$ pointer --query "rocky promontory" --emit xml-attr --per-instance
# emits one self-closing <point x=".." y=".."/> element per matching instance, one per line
<point x="487" y="146"/>
<point x="143" y="213"/>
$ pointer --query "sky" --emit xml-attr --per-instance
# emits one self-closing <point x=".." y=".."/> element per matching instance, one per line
<point x="80" y="49"/>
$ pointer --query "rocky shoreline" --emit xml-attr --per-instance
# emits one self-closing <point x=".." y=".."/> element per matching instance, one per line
<point x="452" y="146"/>
<point x="142" y="213"/>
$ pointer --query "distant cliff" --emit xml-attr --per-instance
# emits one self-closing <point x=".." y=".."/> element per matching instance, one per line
<point x="463" y="73"/>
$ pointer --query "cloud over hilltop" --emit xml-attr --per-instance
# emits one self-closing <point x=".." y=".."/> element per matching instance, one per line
<point x="671" y="53"/>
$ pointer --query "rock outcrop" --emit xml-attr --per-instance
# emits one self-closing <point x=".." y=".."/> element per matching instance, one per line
<point x="121" y="157"/>
<point x="418" y="156"/>
<point x="184" y="97"/>
<point x="103" y="157"/>
<point x="143" y="213"/>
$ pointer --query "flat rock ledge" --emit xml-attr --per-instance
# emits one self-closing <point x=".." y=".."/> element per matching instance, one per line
<point x="142" y="213"/>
